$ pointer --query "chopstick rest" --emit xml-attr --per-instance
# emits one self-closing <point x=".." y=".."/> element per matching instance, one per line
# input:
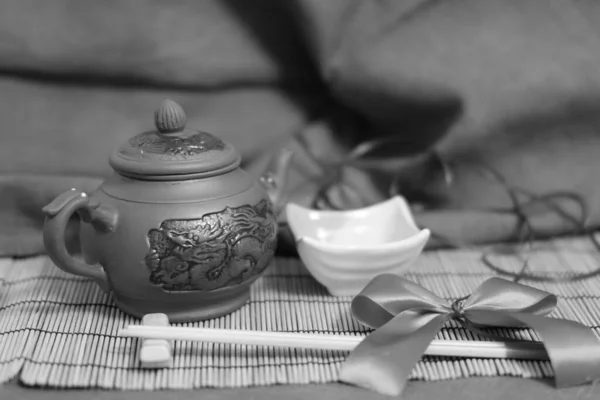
<point x="155" y="353"/>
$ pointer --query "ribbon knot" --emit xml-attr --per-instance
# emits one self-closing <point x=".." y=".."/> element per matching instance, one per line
<point x="457" y="309"/>
<point x="406" y="318"/>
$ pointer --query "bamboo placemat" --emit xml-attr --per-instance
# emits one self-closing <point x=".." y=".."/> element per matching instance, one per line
<point x="58" y="330"/>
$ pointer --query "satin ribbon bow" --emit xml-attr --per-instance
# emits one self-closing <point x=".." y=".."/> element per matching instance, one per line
<point x="406" y="318"/>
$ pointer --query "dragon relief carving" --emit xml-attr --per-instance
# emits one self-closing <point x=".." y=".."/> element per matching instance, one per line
<point x="221" y="249"/>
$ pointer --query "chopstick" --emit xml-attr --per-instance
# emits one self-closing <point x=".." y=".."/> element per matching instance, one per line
<point x="450" y="348"/>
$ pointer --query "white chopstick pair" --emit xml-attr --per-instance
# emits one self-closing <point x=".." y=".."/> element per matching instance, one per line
<point x="449" y="348"/>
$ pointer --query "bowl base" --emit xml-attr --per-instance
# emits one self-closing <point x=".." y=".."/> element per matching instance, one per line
<point x="197" y="306"/>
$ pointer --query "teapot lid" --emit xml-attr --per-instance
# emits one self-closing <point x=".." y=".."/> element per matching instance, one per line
<point x="172" y="151"/>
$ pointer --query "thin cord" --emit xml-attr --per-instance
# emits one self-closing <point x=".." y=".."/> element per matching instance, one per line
<point x="526" y="234"/>
<point x="549" y="201"/>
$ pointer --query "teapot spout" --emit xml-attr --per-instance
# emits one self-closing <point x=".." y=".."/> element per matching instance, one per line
<point x="275" y="179"/>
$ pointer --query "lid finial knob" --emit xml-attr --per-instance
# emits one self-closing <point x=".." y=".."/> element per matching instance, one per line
<point x="169" y="117"/>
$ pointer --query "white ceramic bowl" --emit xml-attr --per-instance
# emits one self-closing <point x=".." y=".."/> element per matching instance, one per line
<point x="344" y="250"/>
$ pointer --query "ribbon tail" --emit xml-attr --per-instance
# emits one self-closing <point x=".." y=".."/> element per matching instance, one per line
<point x="573" y="349"/>
<point x="384" y="360"/>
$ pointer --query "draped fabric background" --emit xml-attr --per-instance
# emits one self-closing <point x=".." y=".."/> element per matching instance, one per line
<point x="514" y="83"/>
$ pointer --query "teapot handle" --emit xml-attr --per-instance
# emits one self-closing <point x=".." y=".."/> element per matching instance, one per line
<point x="58" y="213"/>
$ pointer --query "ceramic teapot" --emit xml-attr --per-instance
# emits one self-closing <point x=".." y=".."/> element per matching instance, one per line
<point x="178" y="229"/>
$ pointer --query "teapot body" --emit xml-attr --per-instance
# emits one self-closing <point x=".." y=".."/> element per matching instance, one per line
<point x="189" y="249"/>
<point x="178" y="229"/>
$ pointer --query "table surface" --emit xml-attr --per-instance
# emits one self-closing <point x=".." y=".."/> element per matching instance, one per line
<point x="460" y="389"/>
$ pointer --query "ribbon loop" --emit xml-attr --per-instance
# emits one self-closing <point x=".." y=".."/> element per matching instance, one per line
<point x="500" y="294"/>
<point x="388" y="295"/>
<point x="407" y="317"/>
